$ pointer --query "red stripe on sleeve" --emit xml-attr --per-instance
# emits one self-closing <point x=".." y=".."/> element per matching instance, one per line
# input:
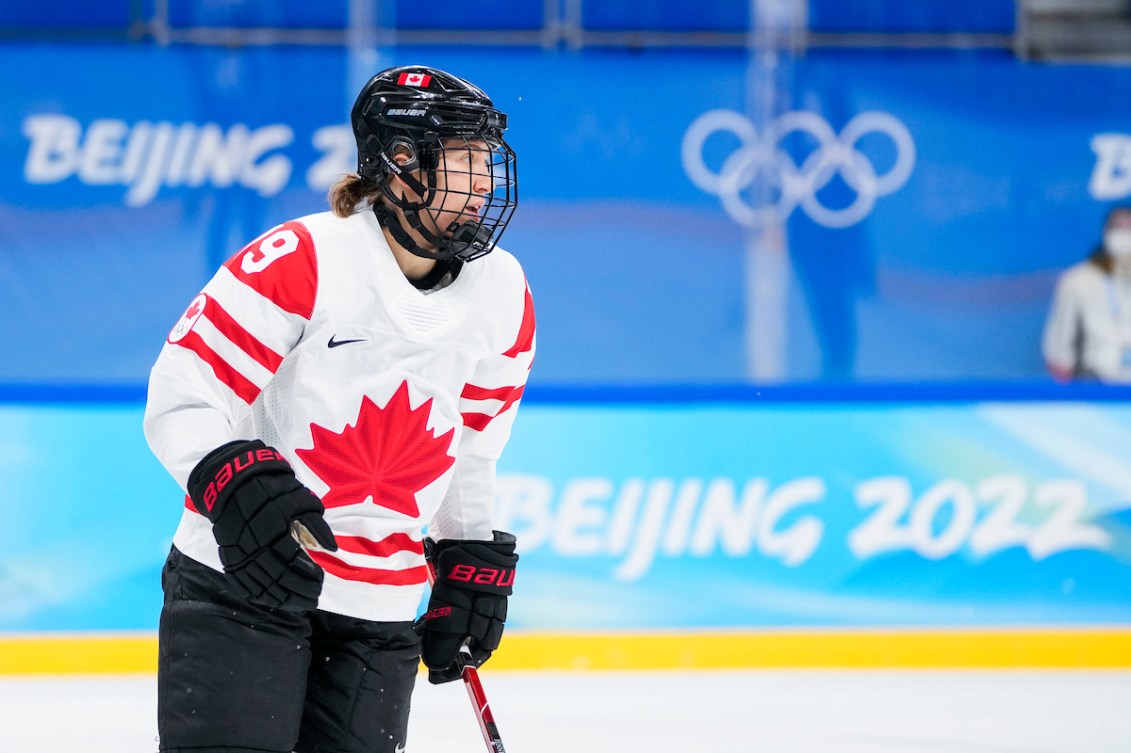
<point x="392" y="544"/>
<point x="245" y="389"/>
<point x="472" y="392"/>
<point x="413" y="576"/>
<point x="479" y="421"/>
<point x="282" y="267"/>
<point x="247" y="342"/>
<point x="525" y="339"/>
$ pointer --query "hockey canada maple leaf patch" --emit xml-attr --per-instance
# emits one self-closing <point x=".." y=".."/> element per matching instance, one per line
<point x="389" y="454"/>
<point x="188" y="319"/>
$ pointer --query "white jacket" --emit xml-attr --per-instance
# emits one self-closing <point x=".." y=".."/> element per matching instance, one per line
<point x="391" y="404"/>
<point x="1088" y="331"/>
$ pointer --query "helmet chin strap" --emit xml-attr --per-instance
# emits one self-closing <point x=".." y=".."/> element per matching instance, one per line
<point x="468" y="241"/>
<point x="411" y="209"/>
<point x="391" y="222"/>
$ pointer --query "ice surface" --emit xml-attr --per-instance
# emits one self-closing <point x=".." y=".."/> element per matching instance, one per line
<point x="656" y="712"/>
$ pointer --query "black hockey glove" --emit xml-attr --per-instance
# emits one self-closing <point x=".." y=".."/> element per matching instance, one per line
<point x="255" y="503"/>
<point x="469" y="601"/>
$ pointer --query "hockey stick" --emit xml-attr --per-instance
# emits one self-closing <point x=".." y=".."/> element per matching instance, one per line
<point x="475" y="691"/>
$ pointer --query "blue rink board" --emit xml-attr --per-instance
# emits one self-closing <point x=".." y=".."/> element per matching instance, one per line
<point x="655" y="516"/>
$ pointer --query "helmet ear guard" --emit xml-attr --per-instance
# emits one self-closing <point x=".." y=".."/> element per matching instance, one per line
<point x="404" y="172"/>
<point x="397" y="147"/>
<point x="404" y="121"/>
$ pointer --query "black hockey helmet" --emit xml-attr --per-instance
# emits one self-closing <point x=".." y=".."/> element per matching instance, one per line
<point x="421" y="113"/>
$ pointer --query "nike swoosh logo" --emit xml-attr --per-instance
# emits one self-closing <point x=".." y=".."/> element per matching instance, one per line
<point x="335" y="343"/>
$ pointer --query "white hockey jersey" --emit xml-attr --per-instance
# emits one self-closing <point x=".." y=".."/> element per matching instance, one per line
<point x="392" y="404"/>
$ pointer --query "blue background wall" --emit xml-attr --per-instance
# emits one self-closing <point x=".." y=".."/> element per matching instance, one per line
<point x="638" y="273"/>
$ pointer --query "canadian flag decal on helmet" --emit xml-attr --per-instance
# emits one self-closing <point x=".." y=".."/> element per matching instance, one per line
<point x="414" y="79"/>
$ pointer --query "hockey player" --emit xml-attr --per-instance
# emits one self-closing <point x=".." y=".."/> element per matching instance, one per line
<point x="345" y="380"/>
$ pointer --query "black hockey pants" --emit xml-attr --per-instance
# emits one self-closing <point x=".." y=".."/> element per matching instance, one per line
<point x="234" y="677"/>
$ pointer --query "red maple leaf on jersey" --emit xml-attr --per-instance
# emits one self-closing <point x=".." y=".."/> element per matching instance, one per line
<point x="389" y="454"/>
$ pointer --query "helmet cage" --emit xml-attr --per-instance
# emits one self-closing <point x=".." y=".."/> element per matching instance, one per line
<point x="432" y="147"/>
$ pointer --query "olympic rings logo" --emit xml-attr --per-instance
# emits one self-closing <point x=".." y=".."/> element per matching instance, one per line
<point x="761" y="156"/>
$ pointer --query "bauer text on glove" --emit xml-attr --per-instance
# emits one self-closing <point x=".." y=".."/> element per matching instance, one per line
<point x="468" y="602"/>
<point x="250" y="493"/>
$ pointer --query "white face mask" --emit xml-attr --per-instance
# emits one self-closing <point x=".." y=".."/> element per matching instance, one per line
<point x="1117" y="242"/>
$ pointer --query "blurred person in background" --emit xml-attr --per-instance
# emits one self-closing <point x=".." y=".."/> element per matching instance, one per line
<point x="1088" y="332"/>
<point x="344" y="381"/>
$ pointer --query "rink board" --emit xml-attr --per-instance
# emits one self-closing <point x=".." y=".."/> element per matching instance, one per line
<point x="688" y="535"/>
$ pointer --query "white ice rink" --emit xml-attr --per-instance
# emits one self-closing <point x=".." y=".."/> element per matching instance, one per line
<point x="700" y="712"/>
